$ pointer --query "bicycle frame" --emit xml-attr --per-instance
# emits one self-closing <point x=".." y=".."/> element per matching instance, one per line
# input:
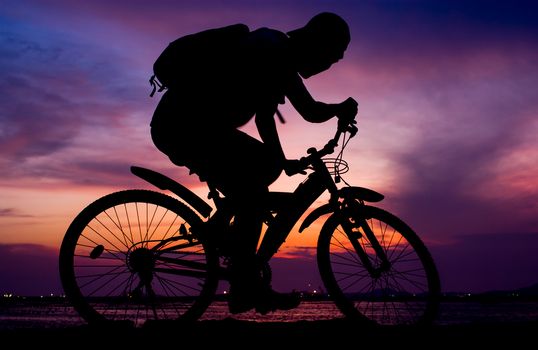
<point x="286" y="208"/>
<point x="137" y="255"/>
<point x="298" y="202"/>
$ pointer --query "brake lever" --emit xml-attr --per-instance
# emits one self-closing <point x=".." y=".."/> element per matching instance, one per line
<point x="352" y="129"/>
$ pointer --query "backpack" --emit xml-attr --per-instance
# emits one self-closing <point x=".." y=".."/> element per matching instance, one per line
<point x="193" y="57"/>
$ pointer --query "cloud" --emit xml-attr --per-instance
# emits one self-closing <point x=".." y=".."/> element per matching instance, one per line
<point x="29" y="269"/>
<point x="12" y="212"/>
<point x="56" y="90"/>
<point x="446" y="90"/>
<point x="461" y="158"/>
<point x="468" y="263"/>
<point x="448" y="104"/>
<point x="36" y="120"/>
<point x="478" y="263"/>
<point x="299" y="273"/>
<point x="442" y="28"/>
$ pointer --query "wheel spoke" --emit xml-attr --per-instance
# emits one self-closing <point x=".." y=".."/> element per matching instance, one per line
<point x="404" y="291"/>
<point x="123" y="258"/>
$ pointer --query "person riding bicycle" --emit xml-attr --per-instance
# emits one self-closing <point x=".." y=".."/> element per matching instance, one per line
<point x="198" y="127"/>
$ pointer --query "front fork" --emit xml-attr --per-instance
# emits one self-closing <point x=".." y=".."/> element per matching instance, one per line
<point x="356" y="226"/>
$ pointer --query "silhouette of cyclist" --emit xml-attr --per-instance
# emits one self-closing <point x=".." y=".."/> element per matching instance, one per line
<point x="197" y="127"/>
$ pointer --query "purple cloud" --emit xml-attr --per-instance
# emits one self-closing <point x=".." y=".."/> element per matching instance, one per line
<point x="12" y="212"/>
<point x="29" y="269"/>
<point x="447" y="92"/>
<point x="53" y="94"/>
<point x="477" y="263"/>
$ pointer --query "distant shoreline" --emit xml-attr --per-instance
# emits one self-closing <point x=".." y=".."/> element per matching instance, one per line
<point x="501" y="296"/>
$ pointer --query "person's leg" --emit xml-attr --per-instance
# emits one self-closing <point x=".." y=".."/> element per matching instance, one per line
<point x="242" y="168"/>
<point x="247" y="168"/>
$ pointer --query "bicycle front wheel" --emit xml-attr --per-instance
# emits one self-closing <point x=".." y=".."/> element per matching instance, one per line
<point x="131" y="256"/>
<point x="400" y="288"/>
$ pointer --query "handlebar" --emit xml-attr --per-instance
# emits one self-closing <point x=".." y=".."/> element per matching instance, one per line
<point x="314" y="155"/>
<point x="346" y="124"/>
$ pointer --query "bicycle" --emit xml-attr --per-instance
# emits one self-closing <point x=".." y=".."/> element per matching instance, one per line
<point x="138" y="255"/>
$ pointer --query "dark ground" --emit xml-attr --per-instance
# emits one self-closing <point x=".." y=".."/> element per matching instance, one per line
<point x="230" y="333"/>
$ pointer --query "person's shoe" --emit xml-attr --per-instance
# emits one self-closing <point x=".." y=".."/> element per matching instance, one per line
<point x="237" y="305"/>
<point x="242" y="298"/>
<point x="271" y="300"/>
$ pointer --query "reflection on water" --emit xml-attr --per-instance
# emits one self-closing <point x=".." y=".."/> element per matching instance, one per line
<point x="46" y="314"/>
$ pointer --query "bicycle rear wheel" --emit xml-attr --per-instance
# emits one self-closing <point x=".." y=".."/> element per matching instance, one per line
<point x="404" y="292"/>
<point x="131" y="256"/>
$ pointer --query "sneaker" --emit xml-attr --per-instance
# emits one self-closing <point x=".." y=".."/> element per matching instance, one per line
<point x="271" y="300"/>
<point x="242" y="297"/>
<point x="238" y="305"/>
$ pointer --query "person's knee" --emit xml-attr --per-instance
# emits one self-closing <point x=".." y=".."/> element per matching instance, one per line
<point x="272" y="175"/>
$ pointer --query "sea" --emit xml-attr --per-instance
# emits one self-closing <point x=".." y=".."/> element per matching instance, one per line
<point x="58" y="313"/>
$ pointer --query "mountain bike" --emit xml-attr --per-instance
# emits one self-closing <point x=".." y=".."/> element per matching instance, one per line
<point x="139" y="255"/>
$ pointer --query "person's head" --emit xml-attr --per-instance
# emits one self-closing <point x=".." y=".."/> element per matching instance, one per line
<point x="319" y="44"/>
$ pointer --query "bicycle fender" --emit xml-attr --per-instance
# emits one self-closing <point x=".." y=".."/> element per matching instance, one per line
<point x="346" y="192"/>
<point x="315" y="214"/>
<point x="163" y="182"/>
<point x="365" y="194"/>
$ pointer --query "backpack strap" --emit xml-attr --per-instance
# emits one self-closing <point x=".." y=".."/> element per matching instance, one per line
<point x="280" y="116"/>
<point x="154" y="82"/>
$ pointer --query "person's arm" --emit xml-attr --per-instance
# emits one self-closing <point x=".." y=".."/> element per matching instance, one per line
<point x="315" y="111"/>
<point x="266" y="125"/>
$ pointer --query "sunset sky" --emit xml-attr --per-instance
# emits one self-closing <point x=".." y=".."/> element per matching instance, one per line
<point x="448" y="118"/>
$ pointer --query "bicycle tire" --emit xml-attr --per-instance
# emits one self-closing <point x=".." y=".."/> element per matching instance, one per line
<point x="407" y="293"/>
<point x="113" y="269"/>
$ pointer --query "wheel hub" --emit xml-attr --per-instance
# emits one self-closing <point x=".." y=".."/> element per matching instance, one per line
<point x="141" y="261"/>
